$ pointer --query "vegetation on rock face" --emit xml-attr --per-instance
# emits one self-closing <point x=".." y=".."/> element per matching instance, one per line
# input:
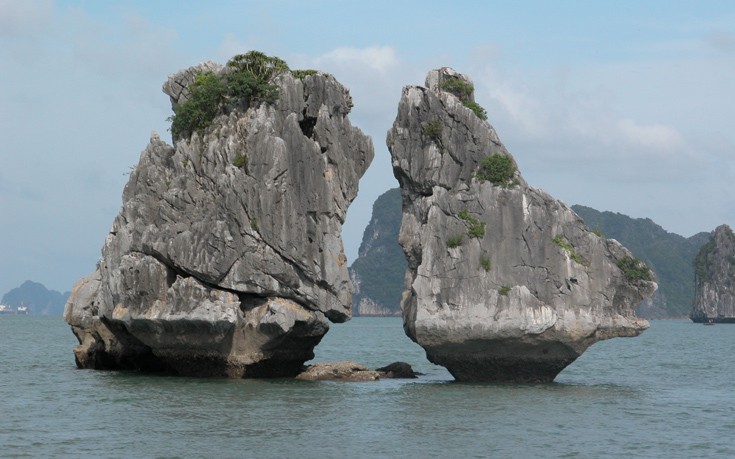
<point x="634" y="269"/>
<point x="455" y="241"/>
<point x="240" y="161"/>
<point x="669" y="255"/>
<point x="562" y="242"/>
<point x="504" y="290"/>
<point x="463" y="90"/>
<point x="700" y="261"/>
<point x="206" y="94"/>
<point x="485" y="263"/>
<point x="433" y="131"/>
<point x="497" y="169"/>
<point x="476" y="227"/>
<point x="245" y="81"/>
<point x="301" y="74"/>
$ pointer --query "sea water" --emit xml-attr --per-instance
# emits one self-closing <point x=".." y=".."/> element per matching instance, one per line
<point x="668" y="393"/>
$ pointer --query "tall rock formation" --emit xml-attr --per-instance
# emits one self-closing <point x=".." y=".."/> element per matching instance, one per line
<point x="504" y="282"/>
<point x="377" y="273"/>
<point x="226" y="258"/>
<point x="714" y="279"/>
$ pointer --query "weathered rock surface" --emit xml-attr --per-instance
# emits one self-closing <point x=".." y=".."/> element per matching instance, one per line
<point x="533" y="288"/>
<point x="216" y="269"/>
<point x="714" y="278"/>
<point x="398" y="370"/>
<point x="351" y="371"/>
<point x="338" y="371"/>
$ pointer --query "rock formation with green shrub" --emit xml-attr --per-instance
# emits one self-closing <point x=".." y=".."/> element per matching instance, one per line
<point x="226" y="258"/>
<point x="714" y="278"/>
<point x="529" y="287"/>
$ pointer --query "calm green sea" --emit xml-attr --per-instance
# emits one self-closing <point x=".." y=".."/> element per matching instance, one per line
<point x="669" y="393"/>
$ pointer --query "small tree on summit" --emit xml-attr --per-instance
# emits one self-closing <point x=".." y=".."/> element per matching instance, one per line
<point x="247" y="79"/>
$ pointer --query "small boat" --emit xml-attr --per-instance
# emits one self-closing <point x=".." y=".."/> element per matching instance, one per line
<point x="708" y="322"/>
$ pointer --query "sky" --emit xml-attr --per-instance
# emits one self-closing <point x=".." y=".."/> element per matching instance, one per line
<point x="626" y="106"/>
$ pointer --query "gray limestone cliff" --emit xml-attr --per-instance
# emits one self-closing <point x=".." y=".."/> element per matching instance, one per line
<point x="226" y="258"/>
<point x="714" y="278"/>
<point x="504" y="283"/>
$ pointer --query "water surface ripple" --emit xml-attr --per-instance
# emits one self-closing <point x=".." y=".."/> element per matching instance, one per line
<point x="668" y="393"/>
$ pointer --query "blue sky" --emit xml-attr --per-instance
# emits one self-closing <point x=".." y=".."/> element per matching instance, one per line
<point x="624" y="106"/>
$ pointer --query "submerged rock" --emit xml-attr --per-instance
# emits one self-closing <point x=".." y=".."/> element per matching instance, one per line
<point x="338" y="371"/>
<point x="504" y="282"/>
<point x="714" y="278"/>
<point x="226" y="258"/>
<point x="398" y="370"/>
<point x="351" y="371"/>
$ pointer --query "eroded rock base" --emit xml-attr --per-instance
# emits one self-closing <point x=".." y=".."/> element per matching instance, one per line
<point x="505" y="362"/>
<point x="92" y="354"/>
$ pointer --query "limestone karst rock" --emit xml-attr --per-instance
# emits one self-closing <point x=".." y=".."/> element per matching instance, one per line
<point x="714" y="278"/>
<point x="504" y="282"/>
<point x="377" y="273"/>
<point x="226" y="258"/>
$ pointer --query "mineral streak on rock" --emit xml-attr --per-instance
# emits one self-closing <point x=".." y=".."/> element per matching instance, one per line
<point x="714" y="275"/>
<point x="223" y="266"/>
<point x="504" y="282"/>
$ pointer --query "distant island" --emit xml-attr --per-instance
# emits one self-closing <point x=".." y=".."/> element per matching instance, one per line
<point x="34" y="298"/>
<point x="714" y="299"/>
<point x="378" y="271"/>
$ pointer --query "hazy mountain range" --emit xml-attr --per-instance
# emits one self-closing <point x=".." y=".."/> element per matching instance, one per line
<point x="37" y="298"/>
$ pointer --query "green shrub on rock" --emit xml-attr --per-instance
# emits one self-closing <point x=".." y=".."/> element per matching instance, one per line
<point x="463" y="90"/>
<point x="455" y="241"/>
<point x="498" y="169"/>
<point x="485" y="263"/>
<point x="240" y="161"/>
<point x="206" y="94"/>
<point x="433" y="131"/>
<point x="635" y="269"/>
<point x="476" y="227"/>
<point x="245" y="81"/>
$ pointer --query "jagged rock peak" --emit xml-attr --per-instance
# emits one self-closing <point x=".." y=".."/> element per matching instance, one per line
<point x="226" y="258"/>
<point x="504" y="282"/>
<point x="714" y="278"/>
<point x="438" y="78"/>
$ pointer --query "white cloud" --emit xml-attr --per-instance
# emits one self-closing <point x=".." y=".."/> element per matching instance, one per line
<point x="377" y="58"/>
<point x="653" y="138"/>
